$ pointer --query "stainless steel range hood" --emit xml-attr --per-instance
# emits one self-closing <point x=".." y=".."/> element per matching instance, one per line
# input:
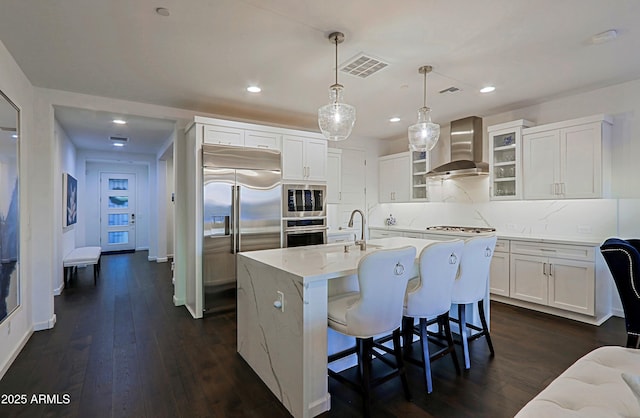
<point x="466" y="151"/>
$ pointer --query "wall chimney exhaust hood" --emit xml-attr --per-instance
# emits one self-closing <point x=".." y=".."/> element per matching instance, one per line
<point x="466" y="151"/>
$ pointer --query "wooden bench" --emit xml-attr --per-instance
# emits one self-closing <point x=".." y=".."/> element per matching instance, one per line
<point x="82" y="256"/>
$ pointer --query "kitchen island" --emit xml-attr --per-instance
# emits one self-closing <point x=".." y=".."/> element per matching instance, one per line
<point x="282" y="316"/>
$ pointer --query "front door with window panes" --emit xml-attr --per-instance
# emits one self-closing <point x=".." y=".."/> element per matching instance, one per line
<point x="117" y="212"/>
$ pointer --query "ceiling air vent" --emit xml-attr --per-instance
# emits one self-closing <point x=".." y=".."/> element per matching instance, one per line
<point x="118" y="141"/>
<point x="451" y="89"/>
<point x="363" y="66"/>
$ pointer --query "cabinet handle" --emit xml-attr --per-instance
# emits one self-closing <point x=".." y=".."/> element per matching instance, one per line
<point x="339" y="195"/>
<point x="563" y="190"/>
<point x="550" y="269"/>
<point x="544" y="269"/>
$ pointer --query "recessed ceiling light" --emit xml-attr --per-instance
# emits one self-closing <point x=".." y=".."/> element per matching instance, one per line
<point x="487" y="89"/>
<point x="119" y="122"/>
<point x="606" y="36"/>
<point x="394" y="119"/>
<point x="254" y="89"/>
<point x="162" y="11"/>
<point x="118" y="144"/>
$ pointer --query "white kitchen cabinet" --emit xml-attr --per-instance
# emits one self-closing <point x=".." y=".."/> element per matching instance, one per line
<point x="258" y="139"/>
<point x="568" y="160"/>
<point x="304" y="159"/>
<point x="334" y="175"/>
<point x="419" y="168"/>
<point x="499" y="273"/>
<point x="223" y="135"/>
<point x="353" y="178"/>
<point x="505" y="143"/>
<point x="555" y="275"/>
<point x="394" y="173"/>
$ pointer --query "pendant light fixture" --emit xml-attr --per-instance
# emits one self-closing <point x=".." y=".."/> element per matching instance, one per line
<point x="336" y="119"/>
<point x="424" y="134"/>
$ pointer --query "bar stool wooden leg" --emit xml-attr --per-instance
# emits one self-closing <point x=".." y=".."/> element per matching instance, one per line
<point x="485" y="328"/>
<point x="463" y="334"/>
<point x="444" y="320"/>
<point x="397" y="350"/>
<point x="407" y="335"/>
<point x="424" y="344"/>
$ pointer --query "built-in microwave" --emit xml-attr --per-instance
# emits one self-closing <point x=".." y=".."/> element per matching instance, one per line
<point x="303" y="200"/>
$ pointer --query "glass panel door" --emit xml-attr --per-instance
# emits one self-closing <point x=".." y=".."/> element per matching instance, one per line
<point x="117" y="212"/>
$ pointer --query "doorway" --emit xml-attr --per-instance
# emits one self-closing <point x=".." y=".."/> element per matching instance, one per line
<point x="117" y="212"/>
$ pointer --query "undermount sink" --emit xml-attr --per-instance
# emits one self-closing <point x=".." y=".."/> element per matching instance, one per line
<point x="339" y="247"/>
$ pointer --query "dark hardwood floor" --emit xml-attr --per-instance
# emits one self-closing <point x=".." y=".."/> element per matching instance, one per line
<point x="121" y="349"/>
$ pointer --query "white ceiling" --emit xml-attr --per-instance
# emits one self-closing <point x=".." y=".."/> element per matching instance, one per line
<point x="203" y="56"/>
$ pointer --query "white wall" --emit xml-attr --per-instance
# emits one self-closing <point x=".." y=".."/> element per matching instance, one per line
<point x="65" y="162"/>
<point x="16" y="329"/>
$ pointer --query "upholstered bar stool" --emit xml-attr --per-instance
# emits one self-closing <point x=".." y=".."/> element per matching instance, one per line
<point x="428" y="299"/>
<point x="471" y="287"/>
<point x="376" y="309"/>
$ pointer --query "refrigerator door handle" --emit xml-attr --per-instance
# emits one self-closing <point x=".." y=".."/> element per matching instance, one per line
<point x="236" y="213"/>
<point x="234" y="220"/>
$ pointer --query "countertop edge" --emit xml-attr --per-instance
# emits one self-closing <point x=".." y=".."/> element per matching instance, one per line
<point x="591" y="242"/>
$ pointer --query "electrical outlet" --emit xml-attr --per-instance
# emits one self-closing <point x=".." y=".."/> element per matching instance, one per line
<point x="584" y="229"/>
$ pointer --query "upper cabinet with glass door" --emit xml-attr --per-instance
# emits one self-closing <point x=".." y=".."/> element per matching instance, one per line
<point x="419" y="168"/>
<point x="505" y="145"/>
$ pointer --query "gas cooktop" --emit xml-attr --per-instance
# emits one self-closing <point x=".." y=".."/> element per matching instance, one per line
<point x="462" y="229"/>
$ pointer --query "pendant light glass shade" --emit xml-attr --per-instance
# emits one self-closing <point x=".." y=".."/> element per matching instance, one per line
<point x="336" y="119"/>
<point x="424" y="134"/>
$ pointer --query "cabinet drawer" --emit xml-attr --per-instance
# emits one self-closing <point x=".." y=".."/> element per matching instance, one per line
<point x="377" y="233"/>
<point x="223" y="135"/>
<point x="573" y="252"/>
<point x="502" y="246"/>
<point x="412" y="235"/>
<point x="258" y="139"/>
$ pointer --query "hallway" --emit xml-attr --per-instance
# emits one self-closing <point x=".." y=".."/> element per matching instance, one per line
<point x="121" y="349"/>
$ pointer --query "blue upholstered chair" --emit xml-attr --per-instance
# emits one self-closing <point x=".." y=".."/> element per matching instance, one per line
<point x="623" y="259"/>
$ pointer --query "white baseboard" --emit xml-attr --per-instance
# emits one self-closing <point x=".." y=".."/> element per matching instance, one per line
<point x="617" y="312"/>
<point x="151" y="258"/>
<point x="178" y="302"/>
<point x="58" y="290"/>
<point x="161" y="259"/>
<point x="15" y="352"/>
<point x="142" y="248"/>
<point x="39" y="326"/>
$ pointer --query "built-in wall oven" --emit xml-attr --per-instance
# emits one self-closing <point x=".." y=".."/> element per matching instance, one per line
<point x="304" y="231"/>
<point x="304" y="215"/>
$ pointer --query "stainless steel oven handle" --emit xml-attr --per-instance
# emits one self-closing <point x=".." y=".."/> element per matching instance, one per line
<point x="303" y="230"/>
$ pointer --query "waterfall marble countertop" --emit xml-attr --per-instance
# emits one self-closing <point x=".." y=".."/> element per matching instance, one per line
<point x="322" y="262"/>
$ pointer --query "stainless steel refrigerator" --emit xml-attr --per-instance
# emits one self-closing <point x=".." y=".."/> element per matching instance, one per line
<point x="242" y="212"/>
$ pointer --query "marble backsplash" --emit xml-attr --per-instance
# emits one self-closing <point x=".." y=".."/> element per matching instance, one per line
<point x="465" y="202"/>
